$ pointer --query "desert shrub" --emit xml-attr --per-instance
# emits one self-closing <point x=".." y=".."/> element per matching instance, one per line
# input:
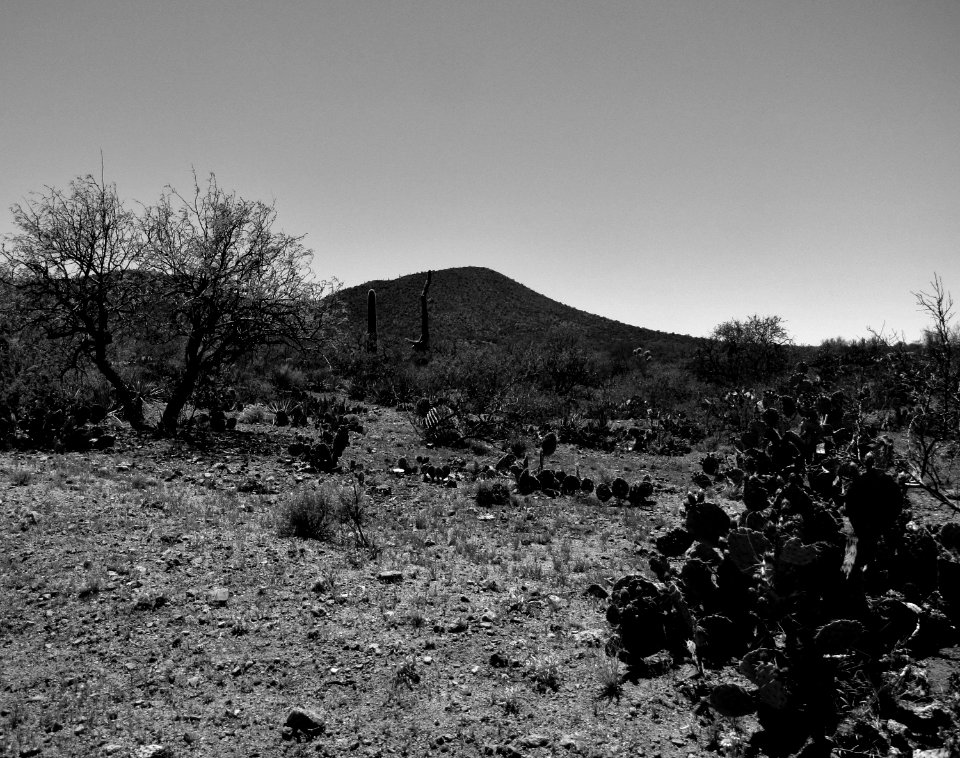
<point x="566" y="365"/>
<point x="253" y="414"/>
<point x="737" y="352"/>
<point x="310" y="515"/>
<point x="490" y="492"/>
<point x="544" y="671"/>
<point x="287" y="378"/>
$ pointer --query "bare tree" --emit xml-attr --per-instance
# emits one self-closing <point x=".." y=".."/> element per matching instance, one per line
<point x="72" y="269"/>
<point x="942" y="345"/>
<point x="227" y="283"/>
<point x="207" y="275"/>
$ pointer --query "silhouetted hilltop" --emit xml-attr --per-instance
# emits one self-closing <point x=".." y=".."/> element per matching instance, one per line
<point x="477" y="305"/>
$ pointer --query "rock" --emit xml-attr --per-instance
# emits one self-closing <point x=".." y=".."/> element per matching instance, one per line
<point x="505" y="751"/>
<point x="589" y="638"/>
<point x="860" y="737"/>
<point x="390" y="577"/>
<point x="304" y="721"/>
<point x="567" y="742"/>
<point x="145" y="600"/>
<point x="650" y="666"/>
<point x="218" y="596"/>
<point x="534" y="740"/>
<point x="595" y="590"/>
<point x="499" y="660"/>
<point x="153" y="751"/>
<point x="604" y="493"/>
<point x="923" y="719"/>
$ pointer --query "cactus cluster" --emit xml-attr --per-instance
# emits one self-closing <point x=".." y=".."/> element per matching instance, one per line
<point x="323" y="455"/>
<point x="819" y="585"/>
<point x="77" y="427"/>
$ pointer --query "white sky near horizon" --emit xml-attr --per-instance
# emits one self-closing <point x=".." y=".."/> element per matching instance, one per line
<point x="667" y="164"/>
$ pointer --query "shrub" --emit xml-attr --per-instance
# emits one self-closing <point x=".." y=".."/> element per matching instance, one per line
<point x="492" y="493"/>
<point x="253" y="414"/>
<point x="286" y="378"/>
<point x="309" y="515"/>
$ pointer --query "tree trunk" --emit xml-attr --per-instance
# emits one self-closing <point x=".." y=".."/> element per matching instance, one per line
<point x="132" y="406"/>
<point x="170" y="419"/>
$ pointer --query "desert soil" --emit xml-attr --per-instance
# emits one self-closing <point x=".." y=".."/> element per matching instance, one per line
<point x="147" y="600"/>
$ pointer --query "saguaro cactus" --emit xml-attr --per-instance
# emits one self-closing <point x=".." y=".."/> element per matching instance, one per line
<point x="423" y="344"/>
<point x="372" y="321"/>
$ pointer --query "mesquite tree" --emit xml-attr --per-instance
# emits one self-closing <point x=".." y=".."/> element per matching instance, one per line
<point x="227" y="282"/>
<point x="207" y="274"/>
<point x="72" y="273"/>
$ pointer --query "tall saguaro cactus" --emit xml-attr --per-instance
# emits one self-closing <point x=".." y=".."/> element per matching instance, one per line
<point x="372" y="321"/>
<point x="423" y="344"/>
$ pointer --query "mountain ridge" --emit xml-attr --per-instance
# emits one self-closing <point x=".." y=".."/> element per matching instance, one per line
<point x="477" y="305"/>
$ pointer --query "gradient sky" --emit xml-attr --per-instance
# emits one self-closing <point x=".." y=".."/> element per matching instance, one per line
<point x="667" y="164"/>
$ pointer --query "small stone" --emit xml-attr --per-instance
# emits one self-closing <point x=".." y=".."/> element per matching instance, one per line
<point x="390" y="577"/>
<point x="218" y="596"/>
<point x="568" y="743"/>
<point x="535" y="740"/>
<point x="590" y="638"/>
<point x="153" y="751"/>
<point x="657" y="664"/>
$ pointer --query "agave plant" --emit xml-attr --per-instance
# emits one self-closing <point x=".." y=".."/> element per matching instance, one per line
<point x="281" y="412"/>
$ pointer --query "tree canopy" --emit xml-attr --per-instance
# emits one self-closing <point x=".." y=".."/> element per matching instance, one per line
<point x="207" y="274"/>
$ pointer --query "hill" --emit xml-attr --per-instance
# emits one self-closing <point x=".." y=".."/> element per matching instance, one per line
<point x="477" y="305"/>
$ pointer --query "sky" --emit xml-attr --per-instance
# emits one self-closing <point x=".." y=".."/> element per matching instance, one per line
<point x="671" y="165"/>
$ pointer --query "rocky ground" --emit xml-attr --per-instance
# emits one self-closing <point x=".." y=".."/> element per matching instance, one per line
<point x="150" y="606"/>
